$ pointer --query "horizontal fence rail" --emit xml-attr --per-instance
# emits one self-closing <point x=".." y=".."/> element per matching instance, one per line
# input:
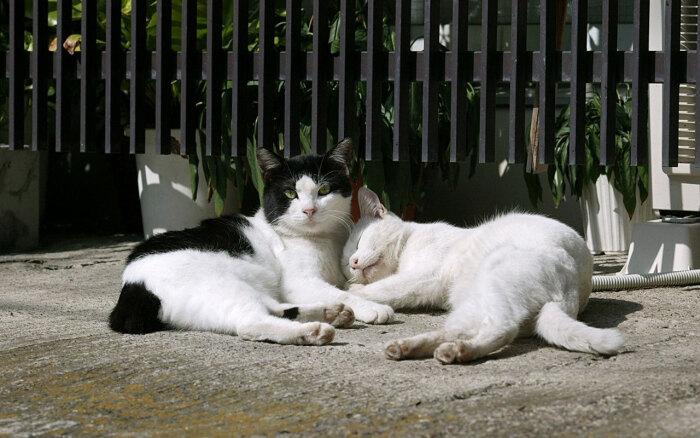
<point x="177" y="66"/>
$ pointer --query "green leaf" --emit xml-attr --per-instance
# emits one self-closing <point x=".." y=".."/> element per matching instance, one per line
<point x="194" y="174"/>
<point x="255" y="173"/>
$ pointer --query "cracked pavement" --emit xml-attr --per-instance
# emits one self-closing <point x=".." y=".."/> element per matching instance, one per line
<point x="63" y="372"/>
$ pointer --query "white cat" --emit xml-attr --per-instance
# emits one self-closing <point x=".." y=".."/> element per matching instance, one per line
<point x="516" y="274"/>
<point x="272" y="277"/>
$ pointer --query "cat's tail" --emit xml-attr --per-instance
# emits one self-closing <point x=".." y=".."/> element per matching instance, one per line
<point x="558" y="328"/>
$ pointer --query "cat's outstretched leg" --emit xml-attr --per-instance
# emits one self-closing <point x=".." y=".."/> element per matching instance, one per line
<point x="417" y="347"/>
<point x="488" y="340"/>
<point x="338" y="315"/>
<point x="283" y="331"/>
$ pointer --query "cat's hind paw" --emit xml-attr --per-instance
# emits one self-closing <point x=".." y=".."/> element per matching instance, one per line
<point x="317" y="333"/>
<point x="339" y="315"/>
<point x="396" y="350"/>
<point x="452" y="352"/>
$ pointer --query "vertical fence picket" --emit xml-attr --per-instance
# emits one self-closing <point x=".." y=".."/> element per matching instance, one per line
<point x="579" y="32"/>
<point x="373" y="123"/>
<point x="429" y="147"/>
<point x="265" y="79"/>
<point x="89" y="57"/>
<point x="518" y="81"/>
<point x="346" y="81"/>
<point x="458" y="73"/>
<point x="40" y="74"/>
<point x="61" y="57"/>
<point x="608" y="82"/>
<point x="487" y="105"/>
<point x="640" y="85"/>
<point x="697" y="92"/>
<point x="188" y="82"/>
<point x="401" y="85"/>
<point x="547" y="74"/>
<point x="113" y="77"/>
<point x="138" y="76"/>
<point x="239" y="76"/>
<point x="319" y="84"/>
<point x="164" y="69"/>
<point x="214" y="78"/>
<point x="672" y="36"/>
<point x="292" y="78"/>
<point x="17" y="75"/>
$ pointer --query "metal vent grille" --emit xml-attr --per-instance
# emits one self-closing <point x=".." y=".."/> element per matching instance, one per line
<point x="686" y="122"/>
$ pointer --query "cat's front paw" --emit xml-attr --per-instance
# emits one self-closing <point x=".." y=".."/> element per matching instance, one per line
<point x="452" y="352"/>
<point x="317" y="333"/>
<point x="373" y="313"/>
<point x="339" y="315"/>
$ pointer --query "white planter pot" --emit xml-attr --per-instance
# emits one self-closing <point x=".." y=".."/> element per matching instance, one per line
<point x="607" y="227"/>
<point x="166" y="195"/>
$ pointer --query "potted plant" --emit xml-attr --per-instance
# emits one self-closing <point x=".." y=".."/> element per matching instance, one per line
<point x="611" y="197"/>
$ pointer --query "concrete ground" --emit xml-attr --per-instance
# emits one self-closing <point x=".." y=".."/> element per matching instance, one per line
<point x="63" y="372"/>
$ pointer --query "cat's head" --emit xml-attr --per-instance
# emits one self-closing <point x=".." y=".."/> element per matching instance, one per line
<point x="308" y="194"/>
<point x="372" y="251"/>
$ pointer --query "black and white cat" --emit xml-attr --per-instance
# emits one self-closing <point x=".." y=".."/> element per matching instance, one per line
<point x="238" y="275"/>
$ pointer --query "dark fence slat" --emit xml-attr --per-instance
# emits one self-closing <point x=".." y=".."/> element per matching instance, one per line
<point x="487" y="105"/>
<point x="18" y="69"/>
<point x="346" y="80"/>
<point x="265" y="77"/>
<point x="518" y="82"/>
<point x="579" y="33"/>
<point x="458" y="76"/>
<point x="373" y="124"/>
<point x="608" y="83"/>
<point x="401" y="85"/>
<point x="292" y="79"/>
<point x="640" y="85"/>
<point x="672" y="18"/>
<point x="188" y="82"/>
<point x="239" y="77"/>
<point x="113" y="77"/>
<point x="547" y="82"/>
<point x="430" y="144"/>
<point x="40" y="67"/>
<point x="319" y="84"/>
<point x="697" y="94"/>
<point x="164" y="74"/>
<point x="137" y="81"/>
<point x="215" y="60"/>
<point x="89" y="57"/>
<point x="61" y="58"/>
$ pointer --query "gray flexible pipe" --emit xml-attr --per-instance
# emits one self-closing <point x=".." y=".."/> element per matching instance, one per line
<point x="641" y="281"/>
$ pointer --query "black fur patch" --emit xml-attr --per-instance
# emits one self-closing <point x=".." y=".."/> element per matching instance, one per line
<point x="291" y="313"/>
<point x="136" y="311"/>
<point x="284" y="177"/>
<point x="220" y="234"/>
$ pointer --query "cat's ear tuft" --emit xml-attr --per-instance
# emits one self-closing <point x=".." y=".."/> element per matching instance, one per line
<point x="370" y="205"/>
<point x="342" y="152"/>
<point x="268" y="161"/>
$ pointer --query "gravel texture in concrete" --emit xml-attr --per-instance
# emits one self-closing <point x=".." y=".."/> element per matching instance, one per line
<point x="63" y="372"/>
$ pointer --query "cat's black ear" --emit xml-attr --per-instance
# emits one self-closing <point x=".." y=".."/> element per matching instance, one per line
<point x="370" y="205"/>
<point x="342" y="152"/>
<point x="268" y="161"/>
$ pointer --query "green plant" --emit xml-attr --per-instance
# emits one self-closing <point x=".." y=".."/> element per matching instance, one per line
<point x="626" y="179"/>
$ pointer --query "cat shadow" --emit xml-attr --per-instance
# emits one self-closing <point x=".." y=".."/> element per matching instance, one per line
<point x="599" y="313"/>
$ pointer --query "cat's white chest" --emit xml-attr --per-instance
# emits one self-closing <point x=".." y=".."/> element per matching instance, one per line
<point x="313" y="257"/>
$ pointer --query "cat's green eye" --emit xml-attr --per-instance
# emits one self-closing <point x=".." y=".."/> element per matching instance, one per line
<point x="291" y="194"/>
<point x="324" y="189"/>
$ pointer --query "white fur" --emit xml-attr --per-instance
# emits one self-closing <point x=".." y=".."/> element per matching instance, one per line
<point x="514" y="275"/>
<point x="295" y="260"/>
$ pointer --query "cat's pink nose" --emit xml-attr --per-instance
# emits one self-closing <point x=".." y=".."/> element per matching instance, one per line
<point x="354" y="262"/>
<point x="309" y="212"/>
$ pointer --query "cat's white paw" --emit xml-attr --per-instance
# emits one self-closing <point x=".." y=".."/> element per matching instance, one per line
<point x="395" y="350"/>
<point x="317" y="333"/>
<point x="339" y="315"/>
<point x="452" y="352"/>
<point x="373" y="313"/>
